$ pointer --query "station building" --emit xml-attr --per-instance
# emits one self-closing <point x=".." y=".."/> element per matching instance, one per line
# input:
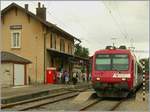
<point x="31" y="37"/>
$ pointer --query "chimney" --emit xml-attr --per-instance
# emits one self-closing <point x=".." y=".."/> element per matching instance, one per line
<point x="41" y="11"/>
<point x="26" y="6"/>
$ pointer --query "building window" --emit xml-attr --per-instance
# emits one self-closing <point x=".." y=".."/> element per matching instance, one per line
<point x="62" y="45"/>
<point x="69" y="48"/>
<point x="15" y="39"/>
<point x="53" y="40"/>
<point x="72" y="49"/>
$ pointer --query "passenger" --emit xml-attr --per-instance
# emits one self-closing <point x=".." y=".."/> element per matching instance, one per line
<point x="83" y="77"/>
<point x="74" y="79"/>
<point x="89" y="76"/>
<point x="60" y="75"/>
<point x="66" y="76"/>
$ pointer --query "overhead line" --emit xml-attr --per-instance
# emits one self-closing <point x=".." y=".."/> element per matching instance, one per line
<point x="117" y="24"/>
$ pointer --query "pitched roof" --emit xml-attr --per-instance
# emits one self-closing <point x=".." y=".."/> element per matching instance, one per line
<point x="48" y="24"/>
<point x="10" y="57"/>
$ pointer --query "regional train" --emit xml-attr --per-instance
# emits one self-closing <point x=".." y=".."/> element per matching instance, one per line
<point x="115" y="72"/>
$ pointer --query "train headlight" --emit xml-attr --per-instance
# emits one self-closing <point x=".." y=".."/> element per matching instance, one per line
<point x="124" y="79"/>
<point x="97" y="78"/>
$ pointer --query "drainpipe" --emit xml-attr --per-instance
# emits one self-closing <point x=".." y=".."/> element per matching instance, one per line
<point x="45" y="54"/>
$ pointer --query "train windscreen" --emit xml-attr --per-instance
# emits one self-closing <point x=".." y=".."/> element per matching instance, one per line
<point x="112" y="62"/>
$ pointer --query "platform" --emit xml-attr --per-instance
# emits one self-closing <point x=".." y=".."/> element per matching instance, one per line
<point x="19" y="93"/>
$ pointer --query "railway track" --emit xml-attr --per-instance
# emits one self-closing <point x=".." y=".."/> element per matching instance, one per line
<point x="96" y="101"/>
<point x="37" y="102"/>
<point x="116" y="106"/>
<point x="90" y="104"/>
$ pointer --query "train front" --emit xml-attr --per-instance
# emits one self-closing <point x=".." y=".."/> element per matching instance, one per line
<point x="111" y="73"/>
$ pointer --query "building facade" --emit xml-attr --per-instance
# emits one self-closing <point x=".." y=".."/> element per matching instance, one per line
<point x="32" y="37"/>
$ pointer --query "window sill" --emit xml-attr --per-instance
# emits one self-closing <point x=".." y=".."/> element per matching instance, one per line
<point x="16" y="48"/>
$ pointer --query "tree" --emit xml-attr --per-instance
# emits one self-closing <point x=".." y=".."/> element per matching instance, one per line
<point x="85" y="52"/>
<point x="78" y="49"/>
<point x="81" y="51"/>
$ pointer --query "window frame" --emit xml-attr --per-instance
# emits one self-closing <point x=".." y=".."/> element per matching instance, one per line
<point x="69" y="48"/>
<point x="18" y="45"/>
<point x="53" y="40"/>
<point x="62" y="45"/>
<point x="111" y="57"/>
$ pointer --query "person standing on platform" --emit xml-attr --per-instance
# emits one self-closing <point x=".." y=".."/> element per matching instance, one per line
<point x="74" y="78"/>
<point x="83" y="77"/>
<point x="66" y="76"/>
<point x="60" y="75"/>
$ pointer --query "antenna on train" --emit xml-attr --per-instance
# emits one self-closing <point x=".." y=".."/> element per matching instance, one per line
<point x="113" y="39"/>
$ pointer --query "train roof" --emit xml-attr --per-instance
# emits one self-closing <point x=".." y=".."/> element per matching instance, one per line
<point x="114" y="51"/>
<point x="119" y="51"/>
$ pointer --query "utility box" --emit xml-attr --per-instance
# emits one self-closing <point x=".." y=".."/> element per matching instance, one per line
<point x="51" y="75"/>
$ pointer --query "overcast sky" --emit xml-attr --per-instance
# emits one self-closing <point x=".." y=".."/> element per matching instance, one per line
<point x="96" y="23"/>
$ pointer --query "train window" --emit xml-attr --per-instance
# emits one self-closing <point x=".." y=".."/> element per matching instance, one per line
<point x="120" y="62"/>
<point x="104" y="67"/>
<point x="112" y="62"/>
<point x="103" y="61"/>
<point x="120" y="67"/>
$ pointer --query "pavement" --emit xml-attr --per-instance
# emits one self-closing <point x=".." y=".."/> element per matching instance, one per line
<point x="19" y="93"/>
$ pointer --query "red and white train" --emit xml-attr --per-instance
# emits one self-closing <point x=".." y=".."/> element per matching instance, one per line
<point x="115" y="72"/>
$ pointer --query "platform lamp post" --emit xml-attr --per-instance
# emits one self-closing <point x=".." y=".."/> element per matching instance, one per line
<point x="144" y="80"/>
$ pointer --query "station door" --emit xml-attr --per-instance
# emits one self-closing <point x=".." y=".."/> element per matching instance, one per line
<point x="19" y="74"/>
